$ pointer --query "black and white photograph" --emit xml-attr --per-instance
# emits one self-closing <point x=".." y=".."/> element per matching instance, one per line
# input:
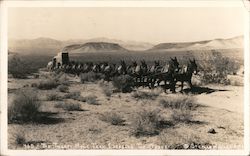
<point x="132" y="77"/>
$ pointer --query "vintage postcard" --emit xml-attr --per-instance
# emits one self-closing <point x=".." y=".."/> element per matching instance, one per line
<point x="124" y="77"/>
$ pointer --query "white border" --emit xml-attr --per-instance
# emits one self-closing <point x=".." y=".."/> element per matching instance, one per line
<point x="3" y="76"/>
<point x="246" y="81"/>
<point x="196" y="3"/>
<point x="129" y="3"/>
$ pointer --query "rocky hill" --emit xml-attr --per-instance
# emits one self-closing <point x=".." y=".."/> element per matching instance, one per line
<point x="94" y="47"/>
<point x="231" y="43"/>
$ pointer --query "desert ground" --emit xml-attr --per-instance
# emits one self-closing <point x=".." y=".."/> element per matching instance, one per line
<point x="107" y="119"/>
<point x="51" y="110"/>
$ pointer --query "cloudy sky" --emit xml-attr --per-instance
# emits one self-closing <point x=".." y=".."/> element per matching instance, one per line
<point x="140" y="24"/>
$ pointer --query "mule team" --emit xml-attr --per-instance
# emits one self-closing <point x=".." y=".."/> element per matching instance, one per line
<point x="143" y="75"/>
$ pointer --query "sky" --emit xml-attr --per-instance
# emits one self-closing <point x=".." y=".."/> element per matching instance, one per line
<point x="155" y="25"/>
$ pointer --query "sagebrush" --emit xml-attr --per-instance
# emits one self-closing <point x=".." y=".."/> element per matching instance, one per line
<point x="91" y="77"/>
<point x="182" y="115"/>
<point x="145" y="95"/>
<point x="63" y="88"/>
<point x="216" y="67"/>
<point x="53" y="97"/>
<point x="107" y="89"/>
<point x="90" y="99"/>
<point x="112" y="118"/>
<point x="19" y="69"/>
<point x="20" y="139"/>
<point x="48" y="84"/>
<point x="179" y="102"/>
<point x="146" y="122"/>
<point x="123" y="83"/>
<point x="25" y="107"/>
<point x="69" y="106"/>
<point x="73" y="95"/>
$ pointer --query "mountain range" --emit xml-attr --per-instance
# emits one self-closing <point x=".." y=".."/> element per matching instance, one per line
<point x="98" y="45"/>
<point x="231" y="43"/>
<point x="94" y="47"/>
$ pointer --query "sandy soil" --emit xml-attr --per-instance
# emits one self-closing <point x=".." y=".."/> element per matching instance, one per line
<point x="221" y="109"/>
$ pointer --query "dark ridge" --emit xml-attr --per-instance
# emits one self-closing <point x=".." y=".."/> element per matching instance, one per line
<point x="95" y="47"/>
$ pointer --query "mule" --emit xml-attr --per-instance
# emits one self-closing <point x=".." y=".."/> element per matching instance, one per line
<point x="103" y="66"/>
<point x="167" y="75"/>
<point x="79" y="68"/>
<point x="50" y="66"/>
<point x="186" y="73"/>
<point x="131" y="69"/>
<point x="155" y="69"/>
<point x="141" y="72"/>
<point x="122" y="68"/>
<point x="114" y="71"/>
<point x="87" y="67"/>
<point x="107" y="72"/>
<point x="96" y="68"/>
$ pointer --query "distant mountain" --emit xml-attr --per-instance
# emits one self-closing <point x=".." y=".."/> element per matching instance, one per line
<point x="51" y="46"/>
<point x="93" y="47"/>
<point x="130" y="45"/>
<point x="231" y="43"/>
<point x="40" y="46"/>
<point x="38" y="42"/>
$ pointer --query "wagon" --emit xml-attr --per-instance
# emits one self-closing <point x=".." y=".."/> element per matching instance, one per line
<point x="61" y="58"/>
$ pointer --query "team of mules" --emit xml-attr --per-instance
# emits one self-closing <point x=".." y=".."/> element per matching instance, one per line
<point x="144" y="75"/>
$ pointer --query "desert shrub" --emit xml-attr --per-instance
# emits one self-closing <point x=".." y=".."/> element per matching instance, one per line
<point x="20" y="139"/>
<point x="90" y="77"/>
<point x="95" y="129"/>
<point x="182" y="106"/>
<point x="18" y="68"/>
<point x="24" y="108"/>
<point x="107" y="92"/>
<point x="216" y="67"/>
<point x="88" y="99"/>
<point x="72" y="95"/>
<point x="236" y="80"/>
<point x="53" y="97"/>
<point x="68" y="106"/>
<point x="63" y="88"/>
<point x="34" y="85"/>
<point x="62" y="79"/>
<point x="179" y="102"/>
<point x="48" y="75"/>
<point x="112" y="118"/>
<point x="145" y="95"/>
<point x="146" y="122"/>
<point x="47" y="84"/>
<point x="91" y="99"/>
<point x="106" y="89"/>
<point x="181" y="115"/>
<point x="123" y="83"/>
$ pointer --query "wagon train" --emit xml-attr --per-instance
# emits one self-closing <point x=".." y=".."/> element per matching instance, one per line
<point x="144" y="75"/>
